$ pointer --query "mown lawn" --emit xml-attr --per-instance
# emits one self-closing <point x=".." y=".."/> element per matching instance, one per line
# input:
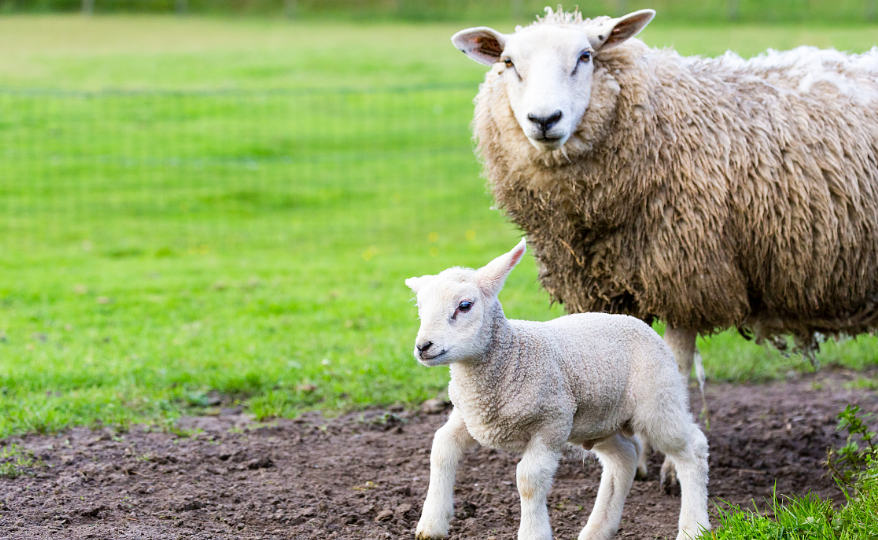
<point x="203" y="209"/>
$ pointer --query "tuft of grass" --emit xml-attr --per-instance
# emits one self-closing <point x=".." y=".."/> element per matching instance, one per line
<point x="16" y="461"/>
<point x="804" y="518"/>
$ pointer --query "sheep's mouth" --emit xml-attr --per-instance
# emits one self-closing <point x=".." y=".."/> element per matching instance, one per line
<point x="548" y="142"/>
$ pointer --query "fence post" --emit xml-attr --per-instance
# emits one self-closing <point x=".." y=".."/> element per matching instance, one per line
<point x="88" y="7"/>
<point x="290" y="9"/>
<point x="621" y="8"/>
<point x="182" y="6"/>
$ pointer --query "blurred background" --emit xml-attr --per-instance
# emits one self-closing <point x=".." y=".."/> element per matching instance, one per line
<point x="210" y="204"/>
<point x="717" y="11"/>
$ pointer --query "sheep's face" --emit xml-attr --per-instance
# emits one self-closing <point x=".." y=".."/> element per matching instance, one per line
<point x="457" y="308"/>
<point x="548" y="69"/>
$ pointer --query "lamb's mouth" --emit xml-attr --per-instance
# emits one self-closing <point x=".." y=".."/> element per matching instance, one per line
<point x="428" y="360"/>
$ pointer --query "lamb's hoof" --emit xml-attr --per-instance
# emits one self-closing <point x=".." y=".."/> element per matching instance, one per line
<point x="696" y="534"/>
<point x="670" y="485"/>
<point x="429" y="531"/>
<point x="641" y="474"/>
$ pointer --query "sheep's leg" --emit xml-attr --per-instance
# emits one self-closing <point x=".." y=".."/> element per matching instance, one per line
<point x="689" y="454"/>
<point x="534" y="475"/>
<point x="682" y="344"/>
<point x="449" y="444"/>
<point x="618" y="456"/>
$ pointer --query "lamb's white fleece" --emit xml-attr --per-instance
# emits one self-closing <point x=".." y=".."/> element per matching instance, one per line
<point x="591" y="379"/>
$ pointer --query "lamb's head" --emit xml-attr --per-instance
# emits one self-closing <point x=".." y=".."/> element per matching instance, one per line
<point x="549" y="66"/>
<point x="457" y="308"/>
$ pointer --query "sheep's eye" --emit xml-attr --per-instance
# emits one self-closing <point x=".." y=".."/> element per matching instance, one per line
<point x="465" y="306"/>
<point x="585" y="56"/>
<point x="508" y="62"/>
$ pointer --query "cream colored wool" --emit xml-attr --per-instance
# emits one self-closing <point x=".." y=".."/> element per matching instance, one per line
<point x="708" y="193"/>
<point x="591" y="379"/>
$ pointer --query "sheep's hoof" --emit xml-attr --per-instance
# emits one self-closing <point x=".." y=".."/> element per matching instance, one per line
<point x="641" y="474"/>
<point x="424" y="536"/>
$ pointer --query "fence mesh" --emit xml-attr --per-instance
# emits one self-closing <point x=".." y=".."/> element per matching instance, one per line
<point x="156" y="174"/>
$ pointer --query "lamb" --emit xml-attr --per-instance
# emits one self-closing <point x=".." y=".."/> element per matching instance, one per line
<point x="596" y="380"/>
<point x="706" y="193"/>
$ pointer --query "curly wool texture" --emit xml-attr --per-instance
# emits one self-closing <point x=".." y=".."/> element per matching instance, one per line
<point x="708" y="193"/>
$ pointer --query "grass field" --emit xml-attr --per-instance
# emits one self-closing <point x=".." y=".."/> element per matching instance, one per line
<point x="236" y="217"/>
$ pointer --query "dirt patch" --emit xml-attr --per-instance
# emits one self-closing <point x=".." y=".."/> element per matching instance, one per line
<point x="364" y="475"/>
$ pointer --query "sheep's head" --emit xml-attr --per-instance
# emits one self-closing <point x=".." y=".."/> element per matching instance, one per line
<point x="456" y="308"/>
<point x="549" y="66"/>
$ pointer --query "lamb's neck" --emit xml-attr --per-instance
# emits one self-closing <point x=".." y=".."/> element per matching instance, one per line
<point x="484" y="375"/>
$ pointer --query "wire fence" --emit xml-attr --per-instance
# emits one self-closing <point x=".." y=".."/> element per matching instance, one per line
<point x="677" y="11"/>
<point x="163" y="173"/>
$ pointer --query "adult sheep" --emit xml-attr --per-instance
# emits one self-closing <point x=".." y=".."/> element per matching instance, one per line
<point x="707" y="193"/>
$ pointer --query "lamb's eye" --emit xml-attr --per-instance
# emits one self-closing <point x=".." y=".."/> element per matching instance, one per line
<point x="465" y="306"/>
<point x="508" y="62"/>
<point x="585" y="56"/>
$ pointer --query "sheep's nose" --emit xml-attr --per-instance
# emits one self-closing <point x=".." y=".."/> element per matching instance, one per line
<point x="423" y="348"/>
<point x="545" y="123"/>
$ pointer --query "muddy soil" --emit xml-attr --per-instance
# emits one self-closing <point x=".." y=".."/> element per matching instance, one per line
<point x="364" y="475"/>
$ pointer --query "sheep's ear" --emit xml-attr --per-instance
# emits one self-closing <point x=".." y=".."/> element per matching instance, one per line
<point x="482" y="44"/>
<point x="415" y="283"/>
<point x="491" y="277"/>
<point x="616" y="31"/>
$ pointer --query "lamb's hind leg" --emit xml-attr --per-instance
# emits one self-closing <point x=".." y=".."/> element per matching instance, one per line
<point x="682" y="343"/>
<point x="618" y="456"/>
<point x="642" y="459"/>
<point x="687" y="450"/>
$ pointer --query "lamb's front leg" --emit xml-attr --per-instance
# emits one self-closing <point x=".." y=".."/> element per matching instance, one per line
<point x="535" y="473"/>
<point x="618" y="456"/>
<point x="449" y="444"/>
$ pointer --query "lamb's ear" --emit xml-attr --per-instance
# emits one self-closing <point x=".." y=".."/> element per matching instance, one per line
<point x="415" y="283"/>
<point x="491" y="277"/>
<point x="482" y="44"/>
<point x="616" y="31"/>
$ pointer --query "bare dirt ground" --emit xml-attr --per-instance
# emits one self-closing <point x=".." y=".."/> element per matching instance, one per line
<point x="364" y="475"/>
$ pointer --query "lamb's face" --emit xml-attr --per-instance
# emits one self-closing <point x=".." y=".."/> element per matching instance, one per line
<point x="457" y="308"/>
<point x="548" y="69"/>
<point x="451" y="309"/>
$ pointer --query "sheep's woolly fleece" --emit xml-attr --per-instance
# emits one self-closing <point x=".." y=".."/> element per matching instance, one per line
<point x="709" y="193"/>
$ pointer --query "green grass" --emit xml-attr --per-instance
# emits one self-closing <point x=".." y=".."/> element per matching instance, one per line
<point x="805" y="517"/>
<point x="229" y="229"/>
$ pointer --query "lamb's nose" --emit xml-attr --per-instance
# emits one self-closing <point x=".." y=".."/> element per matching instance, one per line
<point x="545" y="123"/>
<point x="423" y="348"/>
